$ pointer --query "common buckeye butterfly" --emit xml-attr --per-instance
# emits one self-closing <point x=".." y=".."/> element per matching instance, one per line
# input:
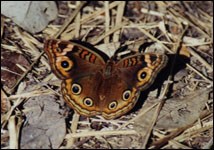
<point x="95" y="84"/>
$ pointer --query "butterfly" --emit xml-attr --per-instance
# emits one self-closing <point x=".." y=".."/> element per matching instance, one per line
<point x="94" y="83"/>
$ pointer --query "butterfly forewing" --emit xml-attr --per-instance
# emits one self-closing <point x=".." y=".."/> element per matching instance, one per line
<point x="65" y="57"/>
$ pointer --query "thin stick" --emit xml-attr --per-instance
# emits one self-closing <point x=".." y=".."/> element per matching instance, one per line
<point x="76" y="11"/>
<point x="107" y="20"/>
<point x="74" y="125"/>
<point x="77" y="22"/>
<point x="108" y="33"/>
<point x="119" y="17"/>
<point x="101" y="133"/>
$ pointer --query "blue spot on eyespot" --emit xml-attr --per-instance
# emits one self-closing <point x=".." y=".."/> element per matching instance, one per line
<point x="126" y="96"/>
<point x="75" y="89"/>
<point x="143" y="75"/>
<point x="88" y="102"/>
<point x="64" y="64"/>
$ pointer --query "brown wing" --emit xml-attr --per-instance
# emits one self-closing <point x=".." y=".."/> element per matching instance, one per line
<point x="85" y="87"/>
<point x="79" y="67"/>
<point x="141" y="70"/>
<point x="71" y="60"/>
<point x="100" y="96"/>
<point x="119" y="97"/>
<point x="132" y="75"/>
<point x="86" y="100"/>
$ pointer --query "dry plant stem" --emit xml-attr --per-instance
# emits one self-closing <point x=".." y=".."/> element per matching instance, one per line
<point x="200" y="74"/>
<point x="107" y="20"/>
<point x="163" y="141"/>
<point x="119" y="17"/>
<point x="33" y="94"/>
<point x="178" y="15"/>
<point x="92" y="16"/>
<point x="97" y="13"/>
<point x="5" y="69"/>
<point x="177" y="145"/>
<point x="5" y="105"/>
<point x="166" y="139"/>
<point x="108" y="33"/>
<point x="6" y="117"/>
<point x="14" y="131"/>
<point x="208" y="66"/>
<point x="26" y="41"/>
<point x="2" y="25"/>
<point x="13" y="142"/>
<point x="65" y="25"/>
<point x="194" y="131"/>
<point x="74" y="125"/>
<point x="102" y="133"/>
<point x="77" y="22"/>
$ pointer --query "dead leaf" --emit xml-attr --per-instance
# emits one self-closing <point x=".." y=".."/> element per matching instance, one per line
<point x="178" y="112"/>
<point x="32" y="16"/>
<point x="45" y="127"/>
<point x="10" y="71"/>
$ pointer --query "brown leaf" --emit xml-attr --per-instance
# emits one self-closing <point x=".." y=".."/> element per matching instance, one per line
<point x="10" y="76"/>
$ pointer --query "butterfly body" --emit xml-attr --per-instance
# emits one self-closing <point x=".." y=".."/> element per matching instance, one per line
<point x="94" y="84"/>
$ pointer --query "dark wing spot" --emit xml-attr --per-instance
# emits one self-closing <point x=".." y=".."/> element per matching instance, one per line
<point x="144" y="64"/>
<point x="143" y="75"/>
<point x="64" y="64"/>
<point x="63" y="45"/>
<point x="153" y="58"/>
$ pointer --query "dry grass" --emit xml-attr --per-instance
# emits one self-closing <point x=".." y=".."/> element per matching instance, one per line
<point x="183" y="28"/>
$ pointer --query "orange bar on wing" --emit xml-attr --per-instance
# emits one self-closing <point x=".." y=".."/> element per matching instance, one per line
<point x="84" y="54"/>
<point x="92" y="58"/>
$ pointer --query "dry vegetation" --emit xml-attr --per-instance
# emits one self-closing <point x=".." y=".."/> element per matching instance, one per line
<point x="33" y="114"/>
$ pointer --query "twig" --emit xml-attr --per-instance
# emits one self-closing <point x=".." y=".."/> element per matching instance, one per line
<point x="161" y="142"/>
<point x="76" y="11"/>
<point x="77" y="23"/>
<point x="119" y="17"/>
<point x="107" y="20"/>
<point x="108" y="33"/>
<point x="102" y="133"/>
<point x="74" y="125"/>
<point x="93" y="15"/>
